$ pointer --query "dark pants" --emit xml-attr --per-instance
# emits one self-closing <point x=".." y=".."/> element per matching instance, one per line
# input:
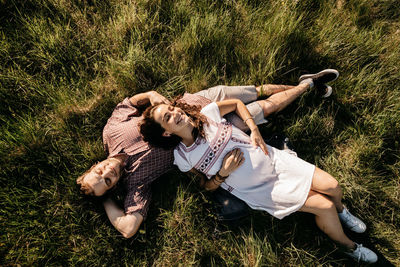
<point x="229" y="208"/>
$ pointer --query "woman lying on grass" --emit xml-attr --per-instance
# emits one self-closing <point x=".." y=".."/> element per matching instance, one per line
<point x="264" y="177"/>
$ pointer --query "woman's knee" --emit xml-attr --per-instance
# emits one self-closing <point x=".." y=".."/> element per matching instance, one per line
<point x="325" y="183"/>
<point x="326" y="205"/>
<point x="336" y="188"/>
<point x="318" y="204"/>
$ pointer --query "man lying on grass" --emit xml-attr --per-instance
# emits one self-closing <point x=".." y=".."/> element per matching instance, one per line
<point x="139" y="164"/>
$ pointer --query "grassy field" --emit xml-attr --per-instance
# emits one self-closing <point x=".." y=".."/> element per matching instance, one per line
<point x="66" y="64"/>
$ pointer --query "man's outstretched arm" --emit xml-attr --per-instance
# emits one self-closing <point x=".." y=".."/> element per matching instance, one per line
<point x="150" y="97"/>
<point x="126" y="224"/>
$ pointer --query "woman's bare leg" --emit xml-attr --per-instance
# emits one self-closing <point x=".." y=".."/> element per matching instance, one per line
<point x="279" y="100"/>
<point x="324" y="183"/>
<point x="326" y="217"/>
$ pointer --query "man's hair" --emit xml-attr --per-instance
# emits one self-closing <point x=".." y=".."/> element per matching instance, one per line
<point x="84" y="187"/>
<point x="153" y="133"/>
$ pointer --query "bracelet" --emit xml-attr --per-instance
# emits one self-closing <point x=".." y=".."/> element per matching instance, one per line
<point x="248" y="119"/>
<point x="223" y="177"/>
<point x="216" y="182"/>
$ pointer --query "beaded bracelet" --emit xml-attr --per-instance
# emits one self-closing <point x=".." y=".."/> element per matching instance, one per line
<point x="216" y="182"/>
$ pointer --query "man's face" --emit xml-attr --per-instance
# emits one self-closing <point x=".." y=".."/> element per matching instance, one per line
<point x="104" y="176"/>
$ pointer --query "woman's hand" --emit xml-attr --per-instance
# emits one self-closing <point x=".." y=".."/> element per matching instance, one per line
<point x="231" y="162"/>
<point x="155" y="98"/>
<point x="257" y="140"/>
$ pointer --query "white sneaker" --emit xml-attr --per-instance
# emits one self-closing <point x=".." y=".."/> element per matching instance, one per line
<point x="351" y="221"/>
<point x="363" y="254"/>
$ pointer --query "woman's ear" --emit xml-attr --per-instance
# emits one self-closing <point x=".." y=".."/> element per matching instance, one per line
<point x="166" y="134"/>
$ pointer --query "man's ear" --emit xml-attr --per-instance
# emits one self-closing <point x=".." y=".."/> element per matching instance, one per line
<point x="166" y="134"/>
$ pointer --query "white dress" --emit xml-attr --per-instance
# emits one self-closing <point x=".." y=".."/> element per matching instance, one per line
<point x="278" y="183"/>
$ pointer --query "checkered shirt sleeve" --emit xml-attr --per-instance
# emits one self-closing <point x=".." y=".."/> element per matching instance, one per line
<point x="142" y="169"/>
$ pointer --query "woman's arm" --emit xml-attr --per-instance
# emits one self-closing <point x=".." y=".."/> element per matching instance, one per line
<point x="241" y="110"/>
<point x="231" y="162"/>
<point x="151" y="97"/>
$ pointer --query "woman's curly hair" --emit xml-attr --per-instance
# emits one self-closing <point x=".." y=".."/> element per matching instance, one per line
<point x="153" y="133"/>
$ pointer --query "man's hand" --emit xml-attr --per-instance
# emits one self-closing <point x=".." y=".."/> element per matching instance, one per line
<point x="155" y="98"/>
<point x="150" y="97"/>
<point x="232" y="160"/>
<point x="257" y="140"/>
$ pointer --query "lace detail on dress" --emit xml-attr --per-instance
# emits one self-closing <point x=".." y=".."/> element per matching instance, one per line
<point x="216" y="147"/>
<point x="237" y="140"/>
<point x="192" y="147"/>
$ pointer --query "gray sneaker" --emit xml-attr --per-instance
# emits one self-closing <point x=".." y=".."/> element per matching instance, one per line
<point x="363" y="254"/>
<point x="322" y="77"/>
<point x="351" y="221"/>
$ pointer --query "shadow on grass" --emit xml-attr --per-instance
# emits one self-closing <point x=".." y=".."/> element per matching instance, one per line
<point x="301" y="231"/>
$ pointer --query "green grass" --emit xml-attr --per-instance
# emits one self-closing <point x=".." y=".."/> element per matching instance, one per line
<point x="66" y="64"/>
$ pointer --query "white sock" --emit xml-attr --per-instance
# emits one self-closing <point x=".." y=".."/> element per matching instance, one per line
<point x="309" y="81"/>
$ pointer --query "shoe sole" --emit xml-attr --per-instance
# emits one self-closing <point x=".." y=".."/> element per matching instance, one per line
<point x="328" y="91"/>
<point x="306" y="76"/>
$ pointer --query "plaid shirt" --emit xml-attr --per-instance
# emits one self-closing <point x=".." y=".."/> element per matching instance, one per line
<point x="144" y="164"/>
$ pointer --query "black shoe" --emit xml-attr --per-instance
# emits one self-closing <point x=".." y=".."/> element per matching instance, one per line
<point x="322" y="77"/>
<point x="279" y="141"/>
<point x="324" y="90"/>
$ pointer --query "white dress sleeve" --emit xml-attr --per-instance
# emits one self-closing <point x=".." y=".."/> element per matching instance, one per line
<point x="181" y="161"/>
<point x="212" y="112"/>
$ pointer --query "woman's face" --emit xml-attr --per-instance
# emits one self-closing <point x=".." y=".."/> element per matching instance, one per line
<point x="103" y="176"/>
<point x="171" y="118"/>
